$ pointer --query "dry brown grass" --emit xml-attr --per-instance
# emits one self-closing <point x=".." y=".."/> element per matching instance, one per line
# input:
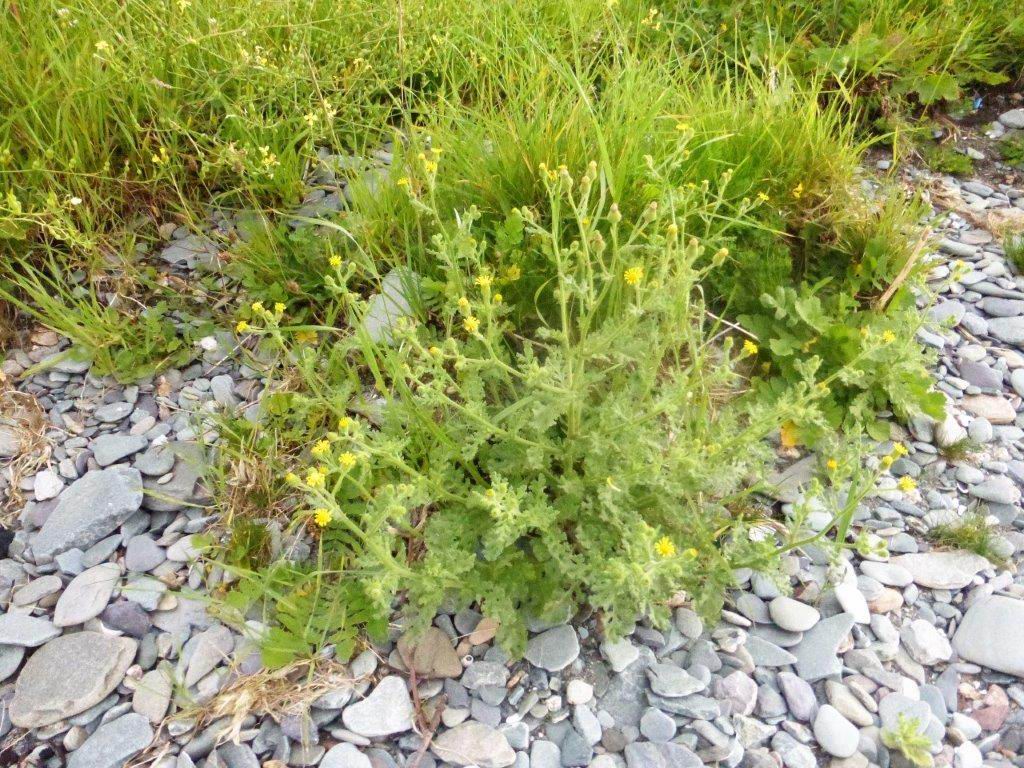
<point x="24" y="420"/>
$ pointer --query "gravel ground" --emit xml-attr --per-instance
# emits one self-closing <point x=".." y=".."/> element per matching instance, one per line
<point x="101" y="642"/>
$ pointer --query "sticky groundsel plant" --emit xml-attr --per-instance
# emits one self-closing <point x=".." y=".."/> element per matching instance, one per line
<point x="596" y="455"/>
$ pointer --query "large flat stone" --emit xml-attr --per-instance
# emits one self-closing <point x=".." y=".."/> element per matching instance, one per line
<point x="114" y="743"/>
<point x="990" y="635"/>
<point x="89" y="510"/>
<point x="942" y="570"/>
<point x="68" y="675"/>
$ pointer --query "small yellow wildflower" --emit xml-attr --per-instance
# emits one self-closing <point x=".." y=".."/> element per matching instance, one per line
<point x="403" y="182"/>
<point x="435" y="351"/>
<point x="314" y="479"/>
<point x="887" y="461"/>
<point x="798" y="191"/>
<point x="322" y="517"/>
<point x="681" y="126"/>
<point x="497" y="298"/>
<point x="664" y="547"/>
<point x="322" y="448"/>
<point x="279" y="307"/>
<point x="102" y="46"/>
<point x="788" y="435"/>
<point x="749" y="347"/>
<point x="888" y="337"/>
<point x="471" y="324"/>
<point x="762" y="197"/>
<point x="463" y="303"/>
<point x="258" y="308"/>
<point x="344" y="423"/>
<point x="291" y="478"/>
<point x="347" y="460"/>
<point x="334" y="261"/>
<point x="906" y="483"/>
<point x="513" y="273"/>
<point x="242" y="327"/>
<point x="900" y="449"/>
<point x="865" y="331"/>
<point x="633" y="275"/>
<point x="832" y="465"/>
<point x="484" y="281"/>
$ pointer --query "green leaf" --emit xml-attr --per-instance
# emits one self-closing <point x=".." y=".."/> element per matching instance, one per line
<point x="940" y="86"/>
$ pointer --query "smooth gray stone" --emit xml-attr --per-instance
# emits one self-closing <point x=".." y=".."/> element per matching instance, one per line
<point x="816" y="653"/>
<point x="90" y="509"/>
<point x="765" y="654"/>
<point x="26" y="631"/>
<point x="393" y="303"/>
<point x="387" y="710"/>
<point x="554" y="649"/>
<point x="87" y="595"/>
<point x="990" y="633"/>
<point x="68" y="675"/>
<point x="109" y="449"/>
<point x="114" y="743"/>
<point x="642" y="754"/>
<point x="473" y="743"/>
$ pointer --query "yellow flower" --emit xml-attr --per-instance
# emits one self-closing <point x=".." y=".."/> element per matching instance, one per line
<point x="242" y="327"/>
<point x="888" y="337"/>
<point x="306" y="337"/>
<point x="682" y="127"/>
<point x="463" y="303"/>
<point x="484" y="281"/>
<point x="471" y="324"/>
<point x="865" y="331"/>
<point x="102" y="46"/>
<point x="334" y="261"/>
<point x="513" y="273"/>
<point x="762" y="197"/>
<point x="322" y="517"/>
<point x="279" y="307"/>
<point x="257" y="307"/>
<point x="887" y="461"/>
<point x="788" y="435"/>
<point x="347" y="460"/>
<point x="403" y="182"/>
<point x="291" y="478"/>
<point x="344" y="423"/>
<point x="832" y="465"/>
<point x="314" y="479"/>
<point x="633" y="275"/>
<point x="664" y="547"/>
<point x="310" y="118"/>
<point x="322" y="448"/>
<point x="798" y="191"/>
<point x="899" y="449"/>
<point x="906" y="483"/>
<point x="497" y="298"/>
<point x="749" y="347"/>
<point x="435" y="351"/>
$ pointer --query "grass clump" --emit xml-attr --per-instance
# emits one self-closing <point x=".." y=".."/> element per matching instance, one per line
<point x="1013" y="246"/>
<point x="960" y="450"/>
<point x="1011" y="150"/>
<point x="972" y="533"/>
<point x="945" y="159"/>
